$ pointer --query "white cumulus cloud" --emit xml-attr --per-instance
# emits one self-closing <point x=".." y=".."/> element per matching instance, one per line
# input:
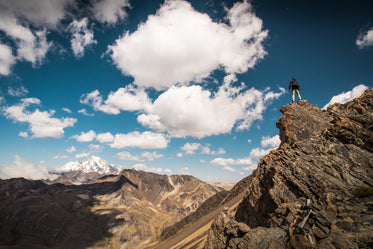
<point x="41" y="123"/>
<point x="347" y="96"/>
<point x="110" y="11"/>
<point x="150" y="156"/>
<point x="183" y="111"/>
<point x="38" y="12"/>
<point x="26" y="169"/>
<point x="71" y="149"/>
<point x="190" y="148"/>
<point x="82" y="155"/>
<point x="6" y="59"/>
<point x="179" y="45"/>
<point x="128" y="98"/>
<point x="192" y="111"/>
<point x="105" y="137"/>
<point x="85" y="136"/>
<point x="145" y="140"/>
<point x="223" y="161"/>
<point x="32" y="46"/>
<point x="271" y="141"/>
<point x="365" y="39"/>
<point x="23" y="134"/>
<point x="25" y="23"/>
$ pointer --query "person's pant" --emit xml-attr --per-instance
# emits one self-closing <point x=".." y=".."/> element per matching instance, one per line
<point x="293" y="94"/>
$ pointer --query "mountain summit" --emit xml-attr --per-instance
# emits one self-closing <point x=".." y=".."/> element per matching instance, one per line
<point x="78" y="172"/>
<point x="94" y="164"/>
<point x="314" y="191"/>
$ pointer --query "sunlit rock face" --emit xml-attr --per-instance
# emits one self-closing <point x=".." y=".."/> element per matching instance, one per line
<point x="315" y="190"/>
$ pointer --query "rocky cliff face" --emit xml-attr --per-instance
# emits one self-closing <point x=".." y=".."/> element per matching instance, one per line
<point x="124" y="211"/>
<point x="315" y="190"/>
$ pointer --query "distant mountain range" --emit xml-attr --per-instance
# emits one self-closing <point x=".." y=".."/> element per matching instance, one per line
<point x="114" y="211"/>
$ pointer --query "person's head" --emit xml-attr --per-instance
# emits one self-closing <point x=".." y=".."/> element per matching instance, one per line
<point x="293" y="78"/>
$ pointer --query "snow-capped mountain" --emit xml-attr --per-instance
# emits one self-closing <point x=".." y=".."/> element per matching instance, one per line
<point x="94" y="164"/>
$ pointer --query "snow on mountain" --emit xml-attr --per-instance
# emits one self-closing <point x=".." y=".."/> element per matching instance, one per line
<point x="94" y="164"/>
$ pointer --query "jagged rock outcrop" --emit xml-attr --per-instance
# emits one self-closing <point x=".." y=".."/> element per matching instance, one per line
<point x="315" y="190"/>
<point x="124" y="211"/>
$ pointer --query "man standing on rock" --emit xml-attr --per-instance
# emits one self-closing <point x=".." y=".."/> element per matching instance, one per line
<point x="294" y="85"/>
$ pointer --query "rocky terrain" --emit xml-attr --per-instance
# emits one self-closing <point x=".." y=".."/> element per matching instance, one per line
<point x="314" y="191"/>
<point x="128" y="210"/>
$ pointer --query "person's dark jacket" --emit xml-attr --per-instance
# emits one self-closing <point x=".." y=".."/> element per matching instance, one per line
<point x="294" y="84"/>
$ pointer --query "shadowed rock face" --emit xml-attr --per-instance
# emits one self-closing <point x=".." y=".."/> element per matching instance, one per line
<point x="304" y="194"/>
<point x="113" y="212"/>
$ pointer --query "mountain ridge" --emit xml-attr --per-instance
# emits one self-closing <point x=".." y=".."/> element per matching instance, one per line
<point x="314" y="191"/>
<point x="118" y="211"/>
<point x="302" y="194"/>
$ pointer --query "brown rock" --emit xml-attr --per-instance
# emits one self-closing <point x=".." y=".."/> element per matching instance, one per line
<point x="323" y="157"/>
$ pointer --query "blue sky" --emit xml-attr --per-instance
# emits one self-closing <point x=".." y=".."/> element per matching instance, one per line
<point x="173" y="87"/>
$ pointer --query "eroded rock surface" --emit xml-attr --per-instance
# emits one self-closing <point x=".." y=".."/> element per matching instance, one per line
<point x="305" y="194"/>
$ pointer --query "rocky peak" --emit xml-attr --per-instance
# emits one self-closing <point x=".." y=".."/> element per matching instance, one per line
<point x="94" y="164"/>
<point x="315" y="190"/>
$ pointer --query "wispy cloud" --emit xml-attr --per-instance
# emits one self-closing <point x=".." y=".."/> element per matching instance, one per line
<point x="81" y="36"/>
<point x="84" y="112"/>
<point x="60" y="157"/>
<point x="183" y="171"/>
<point x="23" y="134"/>
<point x="24" y="168"/>
<point x="143" y="167"/>
<point x="17" y="91"/>
<point x="41" y="123"/>
<point x="251" y="161"/>
<point x="126" y="156"/>
<point x="66" y="110"/>
<point x="151" y="156"/>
